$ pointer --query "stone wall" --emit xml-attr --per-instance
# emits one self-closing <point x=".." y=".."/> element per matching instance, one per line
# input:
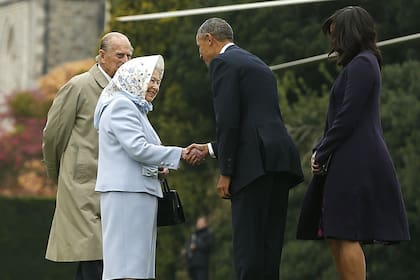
<point x="74" y="29"/>
<point x="38" y="35"/>
<point x="21" y="44"/>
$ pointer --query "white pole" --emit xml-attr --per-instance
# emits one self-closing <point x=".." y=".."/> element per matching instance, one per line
<point x="325" y="56"/>
<point x="218" y="9"/>
<point x="399" y="39"/>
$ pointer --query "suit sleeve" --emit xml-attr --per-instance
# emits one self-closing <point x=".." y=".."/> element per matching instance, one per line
<point x="129" y="130"/>
<point x="359" y="82"/>
<point x="60" y="121"/>
<point x="226" y="100"/>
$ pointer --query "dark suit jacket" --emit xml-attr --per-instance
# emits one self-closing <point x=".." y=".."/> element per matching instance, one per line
<point x="251" y="139"/>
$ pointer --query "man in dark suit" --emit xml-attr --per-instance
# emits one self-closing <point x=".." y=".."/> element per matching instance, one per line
<point x="257" y="159"/>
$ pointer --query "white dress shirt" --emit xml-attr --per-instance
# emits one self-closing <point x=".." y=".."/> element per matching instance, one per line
<point x="105" y="73"/>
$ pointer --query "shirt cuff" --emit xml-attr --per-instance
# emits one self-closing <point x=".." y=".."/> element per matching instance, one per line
<point x="211" y="152"/>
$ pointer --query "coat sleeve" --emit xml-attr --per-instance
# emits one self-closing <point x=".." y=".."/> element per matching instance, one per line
<point x="129" y="129"/>
<point x="60" y="121"/>
<point x="359" y="82"/>
<point x="226" y="100"/>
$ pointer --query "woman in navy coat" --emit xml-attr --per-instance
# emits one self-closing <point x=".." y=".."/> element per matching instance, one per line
<point x="354" y="196"/>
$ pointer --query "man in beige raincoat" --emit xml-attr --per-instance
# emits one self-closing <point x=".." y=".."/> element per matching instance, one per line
<point x="70" y="149"/>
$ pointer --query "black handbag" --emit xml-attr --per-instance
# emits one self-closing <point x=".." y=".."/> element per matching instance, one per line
<point x="170" y="211"/>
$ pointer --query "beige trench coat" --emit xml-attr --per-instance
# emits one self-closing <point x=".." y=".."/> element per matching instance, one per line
<point x="70" y="149"/>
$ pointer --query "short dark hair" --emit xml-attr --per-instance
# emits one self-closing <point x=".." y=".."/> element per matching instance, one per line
<point x="351" y="30"/>
<point x="217" y="27"/>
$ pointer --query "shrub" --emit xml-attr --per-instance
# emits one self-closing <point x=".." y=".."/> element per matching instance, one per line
<point x="27" y="111"/>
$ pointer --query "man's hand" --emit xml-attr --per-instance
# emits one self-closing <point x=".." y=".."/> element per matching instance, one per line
<point x="195" y="153"/>
<point x="223" y="187"/>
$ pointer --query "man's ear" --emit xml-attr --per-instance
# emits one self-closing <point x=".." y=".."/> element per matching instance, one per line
<point x="101" y="53"/>
<point x="209" y="38"/>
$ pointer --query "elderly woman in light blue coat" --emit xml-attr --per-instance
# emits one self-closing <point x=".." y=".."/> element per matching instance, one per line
<point x="130" y="159"/>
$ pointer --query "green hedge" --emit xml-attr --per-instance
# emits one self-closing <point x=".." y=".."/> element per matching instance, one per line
<point x="24" y="230"/>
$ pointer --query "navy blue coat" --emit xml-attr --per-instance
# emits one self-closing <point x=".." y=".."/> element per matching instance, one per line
<point x="252" y="139"/>
<point x="360" y="196"/>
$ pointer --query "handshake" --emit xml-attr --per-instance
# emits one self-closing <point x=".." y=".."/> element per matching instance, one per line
<point x="194" y="154"/>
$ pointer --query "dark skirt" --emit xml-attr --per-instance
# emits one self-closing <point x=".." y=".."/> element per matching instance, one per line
<point x="319" y="219"/>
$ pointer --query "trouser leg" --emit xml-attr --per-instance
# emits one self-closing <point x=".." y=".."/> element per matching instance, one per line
<point x="89" y="270"/>
<point x="258" y="220"/>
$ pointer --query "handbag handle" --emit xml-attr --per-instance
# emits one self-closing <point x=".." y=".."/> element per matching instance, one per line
<point x="165" y="185"/>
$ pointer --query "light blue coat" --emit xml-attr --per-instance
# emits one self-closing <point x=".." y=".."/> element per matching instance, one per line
<point x="130" y="151"/>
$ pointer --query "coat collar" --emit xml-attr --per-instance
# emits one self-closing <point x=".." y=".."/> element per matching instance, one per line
<point x="98" y="76"/>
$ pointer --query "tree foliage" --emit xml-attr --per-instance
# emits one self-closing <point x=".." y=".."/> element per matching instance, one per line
<point x="26" y="113"/>
<point x="21" y="170"/>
